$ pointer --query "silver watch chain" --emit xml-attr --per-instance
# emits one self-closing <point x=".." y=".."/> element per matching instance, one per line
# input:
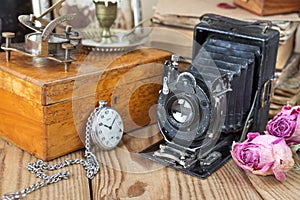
<point x="90" y="164"/>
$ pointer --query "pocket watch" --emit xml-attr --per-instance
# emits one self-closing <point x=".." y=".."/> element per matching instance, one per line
<point x="107" y="127"/>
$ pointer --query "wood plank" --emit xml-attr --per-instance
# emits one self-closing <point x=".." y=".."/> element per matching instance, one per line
<point x="270" y="188"/>
<point x="167" y="183"/>
<point x="14" y="176"/>
<point x="125" y="174"/>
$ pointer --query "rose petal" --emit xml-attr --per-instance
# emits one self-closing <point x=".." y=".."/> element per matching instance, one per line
<point x="252" y="135"/>
<point x="266" y="170"/>
<point x="277" y="141"/>
<point x="279" y="174"/>
<point x="286" y="108"/>
<point x="295" y="137"/>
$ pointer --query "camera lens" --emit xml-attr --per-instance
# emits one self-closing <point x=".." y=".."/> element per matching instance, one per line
<point x="181" y="111"/>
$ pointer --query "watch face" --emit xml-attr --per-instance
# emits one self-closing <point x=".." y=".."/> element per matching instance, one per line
<point x="107" y="128"/>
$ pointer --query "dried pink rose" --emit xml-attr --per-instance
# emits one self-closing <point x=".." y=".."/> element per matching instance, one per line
<point x="286" y="124"/>
<point x="263" y="155"/>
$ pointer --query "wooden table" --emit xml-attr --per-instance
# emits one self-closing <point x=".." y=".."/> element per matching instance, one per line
<point x="124" y="174"/>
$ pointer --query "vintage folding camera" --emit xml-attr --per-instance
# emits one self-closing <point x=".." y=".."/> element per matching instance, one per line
<point x="224" y="94"/>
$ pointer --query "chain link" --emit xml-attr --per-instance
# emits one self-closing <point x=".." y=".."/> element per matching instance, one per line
<point x="90" y="164"/>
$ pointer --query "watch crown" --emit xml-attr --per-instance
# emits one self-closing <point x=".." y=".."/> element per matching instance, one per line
<point x="102" y="103"/>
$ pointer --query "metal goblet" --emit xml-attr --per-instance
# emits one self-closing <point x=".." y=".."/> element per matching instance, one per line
<point x="106" y="13"/>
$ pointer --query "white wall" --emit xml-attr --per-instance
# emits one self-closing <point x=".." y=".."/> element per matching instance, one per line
<point x="147" y="7"/>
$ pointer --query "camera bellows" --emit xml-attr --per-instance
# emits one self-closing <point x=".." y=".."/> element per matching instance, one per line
<point x="236" y="62"/>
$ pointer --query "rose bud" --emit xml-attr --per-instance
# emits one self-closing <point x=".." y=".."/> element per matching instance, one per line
<point x="263" y="155"/>
<point x="286" y="124"/>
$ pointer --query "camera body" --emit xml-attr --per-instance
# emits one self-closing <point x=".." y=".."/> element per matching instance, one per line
<point x="224" y="94"/>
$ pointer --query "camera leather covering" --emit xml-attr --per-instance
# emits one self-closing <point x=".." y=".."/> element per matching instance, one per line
<point x="253" y="37"/>
<point x="233" y="64"/>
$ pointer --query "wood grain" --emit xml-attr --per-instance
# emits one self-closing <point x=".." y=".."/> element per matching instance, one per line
<point x="14" y="176"/>
<point x="21" y="122"/>
<point x="269" y="7"/>
<point x="19" y="85"/>
<point x="269" y="188"/>
<point x="125" y="175"/>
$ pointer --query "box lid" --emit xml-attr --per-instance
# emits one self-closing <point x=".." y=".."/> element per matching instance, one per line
<point x="44" y="81"/>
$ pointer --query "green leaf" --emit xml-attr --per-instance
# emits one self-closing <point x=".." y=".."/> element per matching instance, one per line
<point x="296" y="150"/>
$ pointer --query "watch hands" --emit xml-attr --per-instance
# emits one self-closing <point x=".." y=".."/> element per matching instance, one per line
<point x="118" y="124"/>
<point x="113" y="121"/>
<point x="110" y="127"/>
<point x="106" y="126"/>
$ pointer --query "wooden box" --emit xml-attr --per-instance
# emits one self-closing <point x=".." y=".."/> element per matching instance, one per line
<point x="269" y="7"/>
<point x="43" y="109"/>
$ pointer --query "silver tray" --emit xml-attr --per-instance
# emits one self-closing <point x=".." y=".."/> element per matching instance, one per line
<point x="121" y="40"/>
